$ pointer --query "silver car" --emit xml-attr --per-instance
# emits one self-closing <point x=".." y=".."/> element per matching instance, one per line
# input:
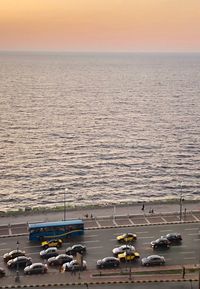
<point x="36" y="268"/>
<point x="48" y="253"/>
<point x="153" y="260"/>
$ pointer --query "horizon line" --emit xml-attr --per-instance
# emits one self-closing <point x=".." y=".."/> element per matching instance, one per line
<point x="99" y="52"/>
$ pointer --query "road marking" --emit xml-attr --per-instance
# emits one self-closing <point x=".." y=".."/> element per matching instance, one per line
<point x="95" y="247"/>
<point x="91" y="236"/>
<point x="190" y="258"/>
<point x="34" y="253"/>
<point x="148" y="249"/>
<point x="191" y="229"/>
<point x="143" y="232"/>
<point x="147" y="237"/>
<point x="196" y="240"/>
<point x="6" y="249"/>
<point x="165" y="230"/>
<point x="194" y="234"/>
<point x="192" y="252"/>
<point x="1" y="244"/>
<point x="92" y="241"/>
<point x="117" y="234"/>
<point x="30" y="247"/>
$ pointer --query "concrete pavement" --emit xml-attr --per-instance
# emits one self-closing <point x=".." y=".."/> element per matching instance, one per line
<point x="106" y="211"/>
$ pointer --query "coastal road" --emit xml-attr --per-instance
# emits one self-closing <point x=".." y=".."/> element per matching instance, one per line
<point x="100" y="243"/>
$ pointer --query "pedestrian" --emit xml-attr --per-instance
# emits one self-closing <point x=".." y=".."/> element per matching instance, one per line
<point x="183" y="272"/>
<point x="142" y="207"/>
<point x="91" y="216"/>
<point x="72" y="271"/>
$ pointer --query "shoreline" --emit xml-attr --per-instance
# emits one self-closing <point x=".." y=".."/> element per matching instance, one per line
<point x="28" y="211"/>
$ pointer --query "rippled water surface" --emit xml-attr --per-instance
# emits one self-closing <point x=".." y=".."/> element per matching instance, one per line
<point x="110" y="128"/>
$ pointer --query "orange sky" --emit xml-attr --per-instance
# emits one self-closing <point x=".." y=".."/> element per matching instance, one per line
<point x="100" y="25"/>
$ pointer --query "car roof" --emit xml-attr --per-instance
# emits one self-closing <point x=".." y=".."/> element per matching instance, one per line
<point x="109" y="258"/>
<point x="154" y="256"/>
<point x="21" y="257"/>
<point x="51" y="249"/>
<point x="37" y="264"/>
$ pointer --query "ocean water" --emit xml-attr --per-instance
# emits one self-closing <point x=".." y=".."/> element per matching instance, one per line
<point x="109" y="128"/>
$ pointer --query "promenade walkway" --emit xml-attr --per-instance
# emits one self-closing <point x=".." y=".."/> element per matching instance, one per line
<point x="132" y="215"/>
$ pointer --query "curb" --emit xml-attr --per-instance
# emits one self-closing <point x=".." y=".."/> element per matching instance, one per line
<point x="99" y="283"/>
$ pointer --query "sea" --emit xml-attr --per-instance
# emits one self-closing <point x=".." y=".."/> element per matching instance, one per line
<point x="98" y="128"/>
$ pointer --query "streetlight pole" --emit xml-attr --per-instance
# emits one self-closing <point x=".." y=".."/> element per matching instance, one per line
<point x="17" y="272"/>
<point x="65" y="203"/>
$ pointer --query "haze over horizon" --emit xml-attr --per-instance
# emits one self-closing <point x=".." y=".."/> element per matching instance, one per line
<point x="100" y="25"/>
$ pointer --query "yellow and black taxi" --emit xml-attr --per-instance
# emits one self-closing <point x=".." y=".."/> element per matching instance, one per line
<point x="128" y="256"/>
<point x="52" y="243"/>
<point x="127" y="237"/>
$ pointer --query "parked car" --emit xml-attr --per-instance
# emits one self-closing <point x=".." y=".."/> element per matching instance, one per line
<point x="122" y="249"/>
<point x="161" y="243"/>
<point x="59" y="260"/>
<point x="2" y="272"/>
<point x="153" y="260"/>
<point x="13" y="254"/>
<point x="74" y="265"/>
<point x="127" y="237"/>
<point x="52" y="243"/>
<point x="78" y="248"/>
<point x="174" y="238"/>
<point x="108" y="262"/>
<point x="36" y="268"/>
<point x="128" y="256"/>
<point x="50" y="252"/>
<point x="21" y="262"/>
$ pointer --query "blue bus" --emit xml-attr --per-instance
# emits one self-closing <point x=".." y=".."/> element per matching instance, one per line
<point x="51" y="230"/>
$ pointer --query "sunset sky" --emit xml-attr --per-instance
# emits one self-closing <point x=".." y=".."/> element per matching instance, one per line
<point x="100" y="25"/>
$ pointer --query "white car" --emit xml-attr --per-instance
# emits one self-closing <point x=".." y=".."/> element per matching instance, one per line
<point x="74" y="265"/>
<point x="123" y="249"/>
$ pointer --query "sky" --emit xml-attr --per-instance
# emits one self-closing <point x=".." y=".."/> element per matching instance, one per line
<point x="100" y="25"/>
